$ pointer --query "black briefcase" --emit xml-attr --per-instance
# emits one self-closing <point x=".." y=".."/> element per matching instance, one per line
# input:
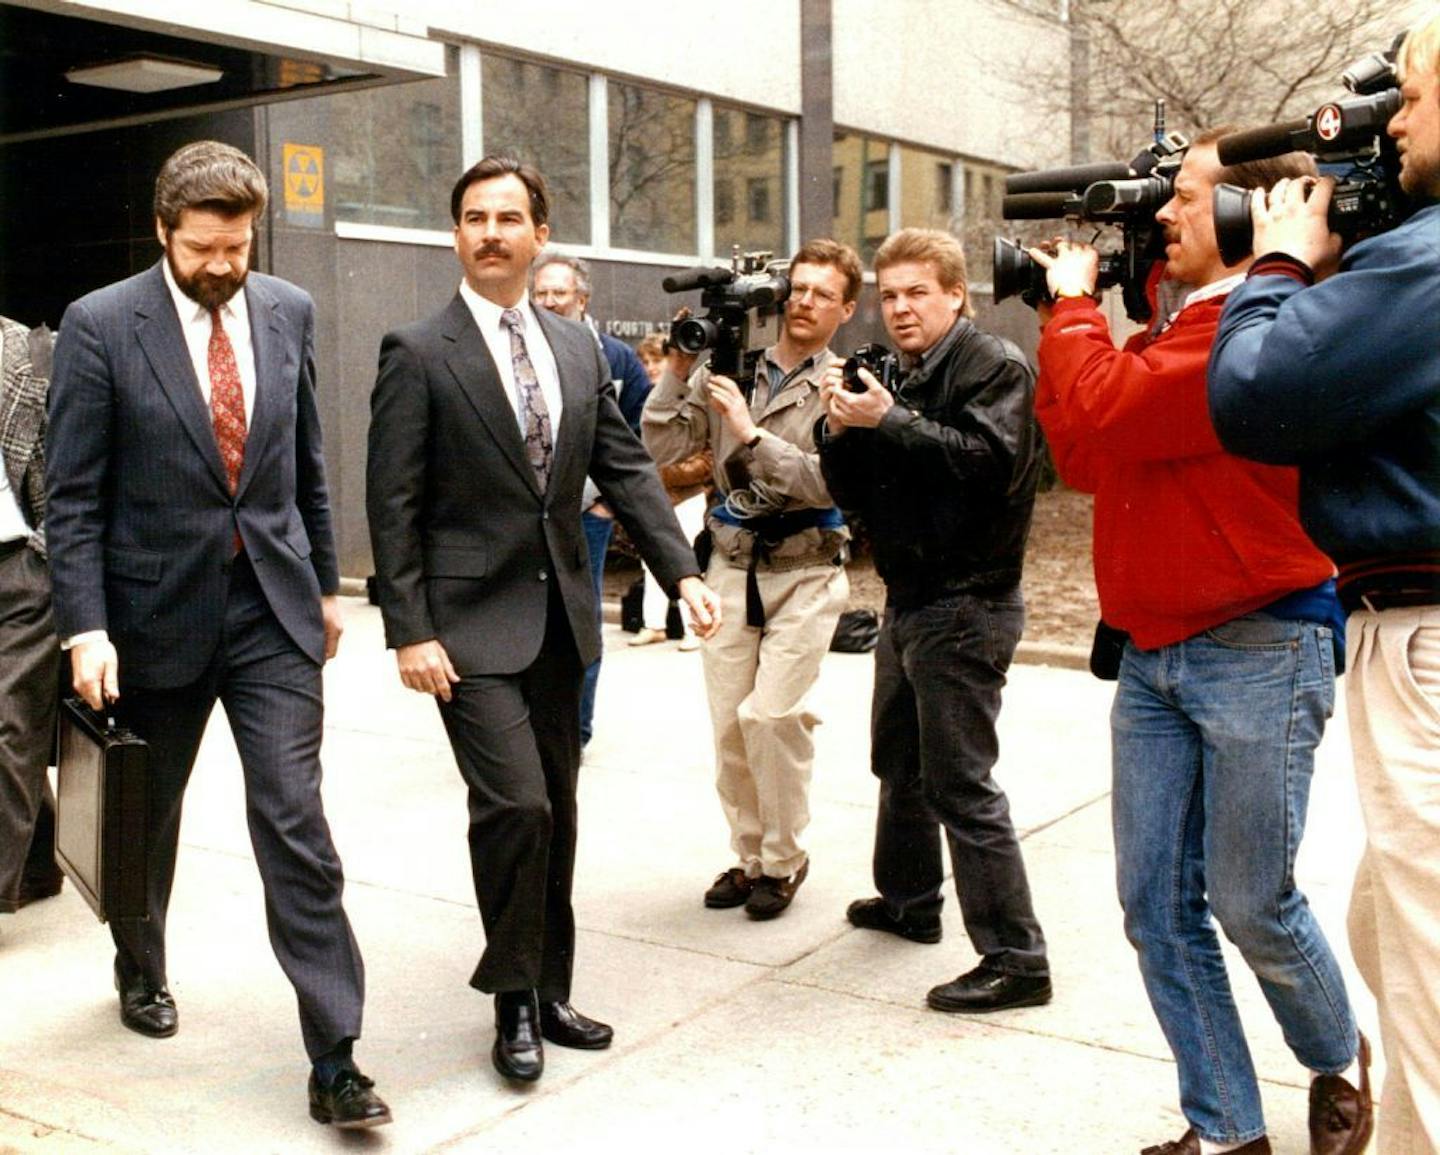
<point x="100" y="805"/>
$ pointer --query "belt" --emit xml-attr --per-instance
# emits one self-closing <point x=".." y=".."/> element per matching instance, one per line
<point x="12" y="546"/>
<point x="1377" y="600"/>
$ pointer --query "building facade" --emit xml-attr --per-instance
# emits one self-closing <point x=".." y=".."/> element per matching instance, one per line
<point x="669" y="140"/>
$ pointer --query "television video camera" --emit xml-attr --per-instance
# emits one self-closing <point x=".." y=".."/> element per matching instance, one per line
<point x="742" y="307"/>
<point x="1108" y="193"/>
<point x="1347" y="135"/>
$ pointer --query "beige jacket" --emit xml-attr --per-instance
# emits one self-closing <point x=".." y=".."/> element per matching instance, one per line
<point x="678" y="421"/>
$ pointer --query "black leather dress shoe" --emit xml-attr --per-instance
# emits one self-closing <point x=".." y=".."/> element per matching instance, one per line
<point x="146" y="1010"/>
<point x="873" y="914"/>
<point x="517" y="1053"/>
<point x="349" y="1101"/>
<point x="564" y="1026"/>
<point x="984" y="989"/>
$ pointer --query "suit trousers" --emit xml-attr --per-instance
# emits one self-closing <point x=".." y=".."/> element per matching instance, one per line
<point x="29" y="672"/>
<point x="516" y="739"/>
<point x="1393" y="702"/>
<point x="272" y="695"/>
<point x="758" y="681"/>
<point x="939" y="670"/>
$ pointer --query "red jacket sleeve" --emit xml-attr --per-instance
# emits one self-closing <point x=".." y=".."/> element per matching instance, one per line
<point x="1146" y="402"/>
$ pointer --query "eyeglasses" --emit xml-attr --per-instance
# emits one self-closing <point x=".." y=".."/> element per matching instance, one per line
<point x="823" y="296"/>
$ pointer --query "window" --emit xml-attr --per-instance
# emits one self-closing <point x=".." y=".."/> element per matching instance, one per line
<point x="944" y="186"/>
<point x="723" y="132"/>
<point x="877" y="185"/>
<point x="757" y="132"/>
<point x="724" y="201"/>
<point x="511" y="93"/>
<point x="758" y="197"/>
<point x="391" y="154"/>
<point x="652" y="170"/>
<point x="750" y="154"/>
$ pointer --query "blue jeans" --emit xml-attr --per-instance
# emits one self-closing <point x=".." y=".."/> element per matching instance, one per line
<point x="597" y="541"/>
<point x="1214" y="741"/>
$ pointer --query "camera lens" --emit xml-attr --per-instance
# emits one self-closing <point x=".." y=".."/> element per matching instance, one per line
<point x="694" y="334"/>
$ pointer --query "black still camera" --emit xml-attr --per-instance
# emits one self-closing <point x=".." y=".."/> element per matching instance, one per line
<point x="1348" y="138"/>
<point x="1108" y="193"/>
<point x="884" y="364"/>
<point x="743" y="306"/>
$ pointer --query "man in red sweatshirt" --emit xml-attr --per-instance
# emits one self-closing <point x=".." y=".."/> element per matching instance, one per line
<point x="1225" y="683"/>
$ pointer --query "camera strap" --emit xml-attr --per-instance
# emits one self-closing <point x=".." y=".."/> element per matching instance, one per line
<point x="767" y="531"/>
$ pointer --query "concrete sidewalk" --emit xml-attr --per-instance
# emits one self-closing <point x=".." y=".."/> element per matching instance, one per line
<point x="732" y="1036"/>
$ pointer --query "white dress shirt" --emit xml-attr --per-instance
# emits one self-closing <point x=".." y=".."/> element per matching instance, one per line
<point x="13" y="526"/>
<point x="497" y="339"/>
<point x="195" y="324"/>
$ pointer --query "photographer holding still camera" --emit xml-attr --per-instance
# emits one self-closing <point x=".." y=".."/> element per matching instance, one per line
<point x="1225" y="680"/>
<point x="1340" y="375"/>
<point x="776" y="565"/>
<point x="943" y="472"/>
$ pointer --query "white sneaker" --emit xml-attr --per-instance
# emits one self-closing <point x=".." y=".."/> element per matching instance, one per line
<point x="690" y="642"/>
<point x="646" y="637"/>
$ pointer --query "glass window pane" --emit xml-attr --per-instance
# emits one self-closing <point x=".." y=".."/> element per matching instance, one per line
<point x="749" y="155"/>
<point x="390" y="154"/>
<point x="652" y="170"/>
<point x="557" y="141"/>
<point x="861" y="175"/>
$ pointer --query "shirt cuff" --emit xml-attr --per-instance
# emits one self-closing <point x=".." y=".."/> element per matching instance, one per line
<point x="87" y="636"/>
<point x="1282" y="265"/>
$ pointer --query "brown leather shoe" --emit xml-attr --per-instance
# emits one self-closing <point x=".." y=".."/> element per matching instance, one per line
<point x="1189" y="1144"/>
<point x="730" y="888"/>
<point x="1341" y="1116"/>
<point x="771" y="896"/>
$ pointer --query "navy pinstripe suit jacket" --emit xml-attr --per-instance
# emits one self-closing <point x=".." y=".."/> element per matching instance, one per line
<point x="140" y="520"/>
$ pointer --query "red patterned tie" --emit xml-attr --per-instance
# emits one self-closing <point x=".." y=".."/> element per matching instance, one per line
<point x="227" y="401"/>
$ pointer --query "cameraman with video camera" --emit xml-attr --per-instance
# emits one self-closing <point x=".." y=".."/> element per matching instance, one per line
<point x="1224" y="682"/>
<point x="1340" y="375"/>
<point x="943" y="472"/>
<point x="776" y="563"/>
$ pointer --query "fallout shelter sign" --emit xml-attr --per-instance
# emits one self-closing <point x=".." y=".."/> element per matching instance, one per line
<point x="304" y="184"/>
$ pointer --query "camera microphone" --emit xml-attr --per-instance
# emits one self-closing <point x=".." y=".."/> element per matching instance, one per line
<point x="1074" y="179"/>
<point x="1260" y="143"/>
<point x="697" y="279"/>
<point x="1039" y="206"/>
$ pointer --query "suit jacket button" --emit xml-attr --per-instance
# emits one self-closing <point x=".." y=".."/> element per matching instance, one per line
<point x="544" y="577"/>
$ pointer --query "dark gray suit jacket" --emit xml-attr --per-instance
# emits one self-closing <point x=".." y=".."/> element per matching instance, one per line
<point x="140" y="520"/>
<point x="465" y="543"/>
